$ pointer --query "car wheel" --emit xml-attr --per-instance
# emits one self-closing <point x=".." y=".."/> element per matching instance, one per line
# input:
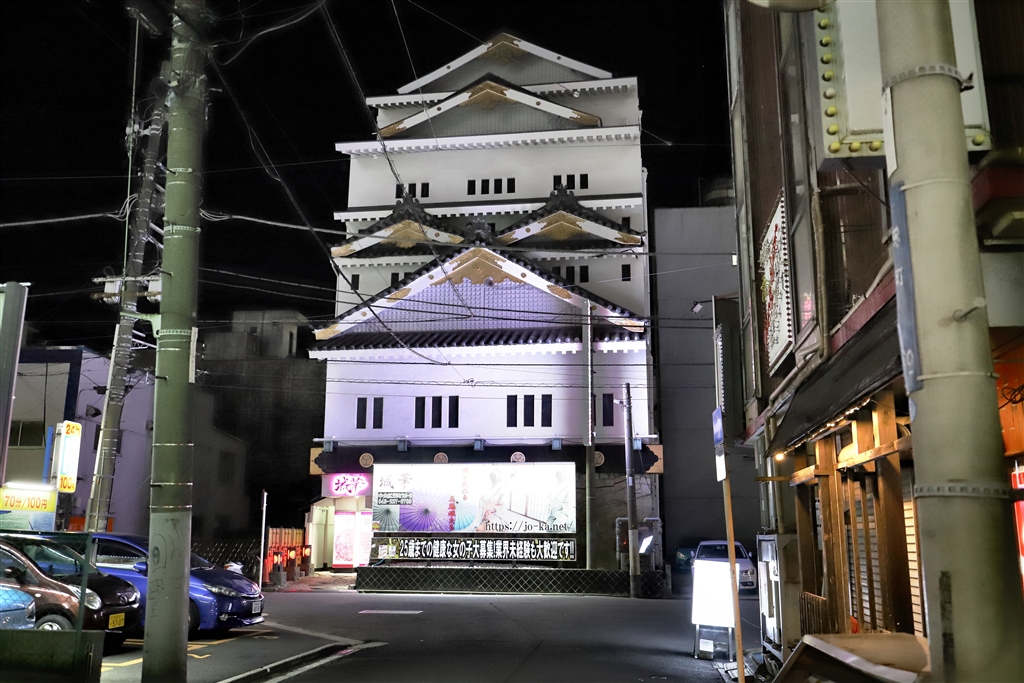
<point x="53" y="622"/>
<point x="193" y="619"/>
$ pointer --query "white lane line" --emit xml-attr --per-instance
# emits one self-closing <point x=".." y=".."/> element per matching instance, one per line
<point x="315" y="634"/>
<point x="391" y="611"/>
<point x="327" y="660"/>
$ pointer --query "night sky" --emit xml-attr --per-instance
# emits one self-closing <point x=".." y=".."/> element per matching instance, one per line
<point x="66" y="74"/>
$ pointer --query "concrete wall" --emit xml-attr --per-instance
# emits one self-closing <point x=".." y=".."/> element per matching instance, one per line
<point x="694" y="263"/>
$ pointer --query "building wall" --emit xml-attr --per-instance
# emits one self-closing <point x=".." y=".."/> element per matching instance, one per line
<point x="220" y="501"/>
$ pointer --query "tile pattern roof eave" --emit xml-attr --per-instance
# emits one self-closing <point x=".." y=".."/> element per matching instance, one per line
<point x="500" y="206"/>
<point x="551" y="89"/>
<point x="533" y="337"/>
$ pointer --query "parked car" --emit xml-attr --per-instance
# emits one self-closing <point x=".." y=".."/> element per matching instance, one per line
<point x="685" y="549"/>
<point x="52" y="573"/>
<point x="17" y="608"/>
<point x="718" y="551"/>
<point x="218" y="599"/>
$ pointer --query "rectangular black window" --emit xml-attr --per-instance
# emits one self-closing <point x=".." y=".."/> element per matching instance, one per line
<point x="378" y="412"/>
<point x="421" y="412"/>
<point x="485" y="186"/>
<point x="412" y="189"/>
<point x="361" y="412"/>
<point x="627" y="273"/>
<point x="528" y="410"/>
<point x="497" y="186"/>
<point x="557" y="270"/>
<point x="545" y="410"/>
<point x="511" y="418"/>
<point x="398" y="191"/>
<point x="394" y="279"/>
<point x="608" y="410"/>
<point x="584" y="181"/>
<point x="625" y="221"/>
<point x="570" y="274"/>
<point x="435" y="412"/>
<point x="570" y="181"/>
<point x="424" y="189"/>
<point x="354" y="279"/>
<point x="556" y="182"/>
<point x="510" y="185"/>
<point x="584" y="273"/>
<point x="453" y="412"/>
<point x="470" y="187"/>
<point x="405" y="275"/>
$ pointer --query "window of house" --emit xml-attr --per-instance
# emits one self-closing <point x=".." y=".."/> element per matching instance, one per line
<point x="361" y="412"/>
<point x="608" y="410"/>
<point x="545" y="410"/>
<point x="497" y="186"/>
<point x="435" y="412"/>
<point x="485" y="186"/>
<point x="627" y="272"/>
<point x="421" y="412"/>
<point x="453" y="412"/>
<point x="470" y="187"/>
<point x="584" y="273"/>
<point x="378" y="412"/>
<point x="511" y="416"/>
<point x="412" y="189"/>
<point x="354" y="280"/>
<point x="27" y="434"/>
<point x="424" y="190"/>
<point x="570" y="181"/>
<point x="394" y="279"/>
<point x="226" y="468"/>
<point x="405" y="275"/>
<point x="398" y="190"/>
<point x="528" y="410"/>
<point x="570" y="274"/>
<point x="557" y="270"/>
<point x="556" y="181"/>
<point x="584" y="181"/>
<point x="96" y="439"/>
<point x="510" y="185"/>
<point x="625" y="221"/>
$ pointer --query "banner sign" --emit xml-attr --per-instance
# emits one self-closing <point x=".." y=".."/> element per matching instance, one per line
<point x="475" y="498"/>
<point x="67" y="444"/>
<point x="341" y="485"/>
<point x="497" y="549"/>
<point x="775" y="287"/>
<point x="32" y="508"/>
<point x="906" y="306"/>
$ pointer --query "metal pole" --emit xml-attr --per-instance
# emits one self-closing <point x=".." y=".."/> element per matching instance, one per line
<point x="263" y="533"/>
<point x="170" y="517"/>
<point x="591" y="483"/>
<point x="634" y="555"/>
<point x="965" y="524"/>
<point x="113" y="401"/>
<point x="730" y="537"/>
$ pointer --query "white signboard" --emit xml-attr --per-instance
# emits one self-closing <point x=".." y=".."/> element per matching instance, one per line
<point x="712" y="594"/>
<point x="776" y="290"/>
<point x="475" y="498"/>
<point x="67" y="442"/>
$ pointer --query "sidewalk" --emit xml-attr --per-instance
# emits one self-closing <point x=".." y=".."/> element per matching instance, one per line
<point x="317" y="581"/>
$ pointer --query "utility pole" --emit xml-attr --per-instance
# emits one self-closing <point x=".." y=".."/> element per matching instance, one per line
<point x="113" y="401"/>
<point x="13" y="296"/>
<point x="634" y="554"/>
<point x="591" y="483"/>
<point x="965" y="523"/>
<point x="170" y="510"/>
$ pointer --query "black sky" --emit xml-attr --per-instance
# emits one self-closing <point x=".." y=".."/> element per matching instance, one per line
<point x="66" y="84"/>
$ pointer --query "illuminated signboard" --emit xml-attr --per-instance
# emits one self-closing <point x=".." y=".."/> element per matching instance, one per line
<point x="775" y="287"/>
<point x="496" y="549"/>
<point x="475" y="498"/>
<point x="66" y="446"/>
<point x="342" y="485"/>
<point x="352" y="537"/>
<point x="27" y="507"/>
<point x="712" y="594"/>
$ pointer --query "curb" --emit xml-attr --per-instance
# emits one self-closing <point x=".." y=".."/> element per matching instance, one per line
<point x="286" y="664"/>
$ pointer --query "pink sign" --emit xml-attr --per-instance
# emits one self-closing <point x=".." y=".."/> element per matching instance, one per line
<point x="344" y="538"/>
<point x="341" y="485"/>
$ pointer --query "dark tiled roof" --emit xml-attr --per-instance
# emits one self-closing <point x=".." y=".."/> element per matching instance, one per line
<point x="407" y="208"/>
<point x="505" y="337"/>
<point x="562" y="199"/>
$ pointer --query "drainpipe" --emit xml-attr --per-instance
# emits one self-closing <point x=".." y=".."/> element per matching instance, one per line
<point x="965" y="519"/>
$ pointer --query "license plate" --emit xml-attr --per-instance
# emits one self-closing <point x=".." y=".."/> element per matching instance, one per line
<point x="116" y="620"/>
<point x="257" y="606"/>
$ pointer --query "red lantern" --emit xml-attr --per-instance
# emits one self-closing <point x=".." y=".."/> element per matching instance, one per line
<point x="291" y="553"/>
<point x="307" y="551"/>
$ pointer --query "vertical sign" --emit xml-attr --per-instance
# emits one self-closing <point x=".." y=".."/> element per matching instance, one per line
<point x="344" y="537"/>
<point x="906" y="311"/>
<point x="719" y="432"/>
<point x="364" y="537"/>
<point x="67" y="444"/>
<point x="775" y="287"/>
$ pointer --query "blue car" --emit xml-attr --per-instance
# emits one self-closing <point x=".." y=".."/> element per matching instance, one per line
<point x="218" y="599"/>
<point x="17" y="608"/>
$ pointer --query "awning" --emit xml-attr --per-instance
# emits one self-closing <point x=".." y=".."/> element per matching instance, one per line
<point x="863" y="365"/>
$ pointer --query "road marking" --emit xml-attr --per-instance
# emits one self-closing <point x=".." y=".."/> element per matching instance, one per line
<point x="315" y="634"/>
<point x="243" y="634"/>
<point x="131" y="663"/>
<point x="269" y="637"/>
<point x="198" y="656"/>
<point x="392" y="611"/>
<point x="327" y="660"/>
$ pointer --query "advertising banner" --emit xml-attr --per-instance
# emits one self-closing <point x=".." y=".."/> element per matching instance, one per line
<point x="29" y="508"/>
<point x="344" y="538"/>
<point x="518" y="549"/>
<point x="475" y="498"/>
<point x="342" y="485"/>
<point x="66" y="447"/>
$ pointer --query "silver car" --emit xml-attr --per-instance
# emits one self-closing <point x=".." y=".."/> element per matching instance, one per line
<point x="718" y="551"/>
<point x="17" y="608"/>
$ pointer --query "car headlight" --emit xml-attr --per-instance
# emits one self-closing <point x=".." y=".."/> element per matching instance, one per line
<point x="222" y="590"/>
<point x="92" y="600"/>
<point x="746" y="572"/>
<point x="134" y="596"/>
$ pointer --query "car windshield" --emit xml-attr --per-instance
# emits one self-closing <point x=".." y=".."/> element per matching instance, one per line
<point x="54" y="559"/>
<point x="200" y="563"/>
<point x="719" y="551"/>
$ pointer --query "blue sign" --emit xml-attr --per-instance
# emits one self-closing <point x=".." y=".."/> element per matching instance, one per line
<point x="906" y="311"/>
<point x="716" y="426"/>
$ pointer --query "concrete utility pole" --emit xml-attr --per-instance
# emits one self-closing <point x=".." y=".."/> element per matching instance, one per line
<point x="965" y="518"/>
<point x="634" y="541"/>
<point x="13" y="296"/>
<point x="120" y="355"/>
<point x="591" y="489"/>
<point x="170" y="510"/>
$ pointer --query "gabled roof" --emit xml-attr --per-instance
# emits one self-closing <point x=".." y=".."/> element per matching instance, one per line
<point x="487" y="93"/>
<point x="408" y="229"/>
<point x="524" y="336"/>
<point x="484" y="267"/>
<point x="501" y="49"/>
<point x="564" y="219"/>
